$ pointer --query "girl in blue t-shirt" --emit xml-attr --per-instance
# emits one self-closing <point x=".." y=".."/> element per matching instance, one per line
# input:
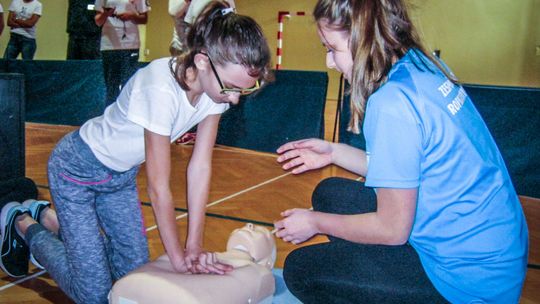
<point x="438" y="218"/>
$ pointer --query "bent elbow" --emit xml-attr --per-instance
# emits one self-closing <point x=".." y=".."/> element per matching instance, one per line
<point x="397" y="238"/>
<point x="397" y="241"/>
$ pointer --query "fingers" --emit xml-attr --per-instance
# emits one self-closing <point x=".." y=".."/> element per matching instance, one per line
<point x="286" y="237"/>
<point x="298" y="144"/>
<point x="300" y="169"/>
<point x="288" y="146"/>
<point x="280" y="226"/>
<point x="288" y="155"/>
<point x="289" y="238"/>
<point x="287" y="213"/>
<point x="223" y="267"/>
<point x="205" y="260"/>
<point x="207" y="263"/>
<point x="189" y="263"/>
<point x="295" y="160"/>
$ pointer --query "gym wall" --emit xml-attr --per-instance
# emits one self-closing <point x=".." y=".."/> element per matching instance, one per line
<point x="484" y="42"/>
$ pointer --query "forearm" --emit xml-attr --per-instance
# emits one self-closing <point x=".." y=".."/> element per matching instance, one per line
<point x="367" y="228"/>
<point x="100" y="18"/>
<point x="349" y="158"/>
<point x="163" y="207"/>
<point x="391" y="224"/>
<point x="198" y="184"/>
<point x="25" y="23"/>
<point x="11" y="22"/>
<point x="139" y="18"/>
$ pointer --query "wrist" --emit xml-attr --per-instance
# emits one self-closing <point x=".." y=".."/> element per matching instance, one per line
<point x="315" y="222"/>
<point x="193" y="244"/>
<point x="332" y="153"/>
<point x="176" y="256"/>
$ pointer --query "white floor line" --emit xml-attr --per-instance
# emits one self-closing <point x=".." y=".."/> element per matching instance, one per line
<point x="2" y="288"/>
<point x="37" y="274"/>
<point x="243" y="151"/>
<point x="229" y="197"/>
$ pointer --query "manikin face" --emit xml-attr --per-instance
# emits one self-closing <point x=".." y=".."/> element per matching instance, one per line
<point x="257" y="241"/>
<point x="338" y="52"/>
<point x="226" y="83"/>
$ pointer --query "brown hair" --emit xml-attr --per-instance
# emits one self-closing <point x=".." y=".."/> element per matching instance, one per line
<point x="380" y="32"/>
<point x="227" y="38"/>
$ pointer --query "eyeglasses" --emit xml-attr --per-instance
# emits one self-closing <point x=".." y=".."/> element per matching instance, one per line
<point x="229" y="91"/>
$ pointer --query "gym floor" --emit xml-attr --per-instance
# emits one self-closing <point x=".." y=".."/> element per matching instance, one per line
<point x="247" y="186"/>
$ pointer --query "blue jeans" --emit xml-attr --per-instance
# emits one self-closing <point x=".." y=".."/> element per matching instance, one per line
<point x="19" y="44"/>
<point x="344" y="272"/>
<point x="101" y="226"/>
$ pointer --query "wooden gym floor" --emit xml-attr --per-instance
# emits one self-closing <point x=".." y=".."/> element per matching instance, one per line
<point x="247" y="186"/>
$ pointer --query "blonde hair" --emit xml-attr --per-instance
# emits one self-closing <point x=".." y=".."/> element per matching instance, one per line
<point x="380" y="32"/>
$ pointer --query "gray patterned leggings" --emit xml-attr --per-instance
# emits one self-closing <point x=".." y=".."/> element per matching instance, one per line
<point x="101" y="225"/>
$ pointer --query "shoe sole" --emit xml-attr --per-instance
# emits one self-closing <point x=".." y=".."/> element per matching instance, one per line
<point x="3" y="222"/>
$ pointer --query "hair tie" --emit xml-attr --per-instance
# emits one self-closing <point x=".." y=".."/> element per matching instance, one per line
<point x="226" y="11"/>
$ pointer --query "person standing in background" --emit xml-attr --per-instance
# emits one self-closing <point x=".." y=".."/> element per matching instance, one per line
<point x="184" y="13"/>
<point x="23" y="17"/>
<point x="120" y="40"/>
<point x="84" y="34"/>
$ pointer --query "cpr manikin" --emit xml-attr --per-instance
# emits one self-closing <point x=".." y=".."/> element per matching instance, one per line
<point x="252" y="252"/>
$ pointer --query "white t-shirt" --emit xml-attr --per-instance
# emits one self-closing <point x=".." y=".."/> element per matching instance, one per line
<point x="24" y="11"/>
<point x="1" y="8"/>
<point x="153" y="100"/>
<point x="117" y="34"/>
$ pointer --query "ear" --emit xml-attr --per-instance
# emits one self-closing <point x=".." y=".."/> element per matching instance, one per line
<point x="201" y="62"/>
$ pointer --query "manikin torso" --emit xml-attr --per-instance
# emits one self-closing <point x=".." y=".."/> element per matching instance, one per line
<point x="252" y="252"/>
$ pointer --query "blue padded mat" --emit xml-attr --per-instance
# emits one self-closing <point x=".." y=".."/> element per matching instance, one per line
<point x="282" y="294"/>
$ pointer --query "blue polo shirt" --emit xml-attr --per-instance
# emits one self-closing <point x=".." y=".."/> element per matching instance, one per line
<point x="422" y="131"/>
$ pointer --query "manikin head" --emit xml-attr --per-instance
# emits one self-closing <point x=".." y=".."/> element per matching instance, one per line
<point x="257" y="241"/>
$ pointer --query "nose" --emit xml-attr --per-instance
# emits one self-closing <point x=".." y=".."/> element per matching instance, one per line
<point x="330" y="61"/>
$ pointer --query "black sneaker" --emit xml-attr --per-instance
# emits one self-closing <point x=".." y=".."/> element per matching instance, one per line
<point x="15" y="253"/>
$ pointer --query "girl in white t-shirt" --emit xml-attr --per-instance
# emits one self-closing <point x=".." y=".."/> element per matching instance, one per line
<point x="92" y="171"/>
